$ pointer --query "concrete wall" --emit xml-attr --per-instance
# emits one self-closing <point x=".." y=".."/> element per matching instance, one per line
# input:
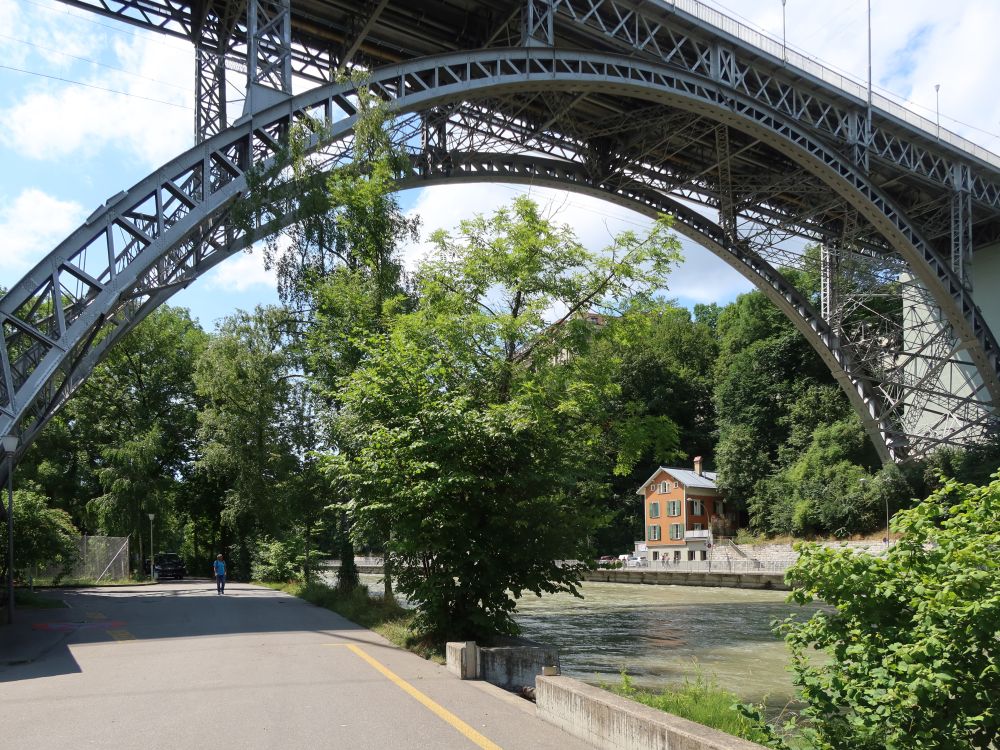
<point x="610" y="722"/>
<point x="516" y="665"/>
<point x="513" y="665"/>
<point x="690" y="578"/>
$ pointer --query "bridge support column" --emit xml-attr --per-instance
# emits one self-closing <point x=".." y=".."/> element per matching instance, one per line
<point x="269" y="53"/>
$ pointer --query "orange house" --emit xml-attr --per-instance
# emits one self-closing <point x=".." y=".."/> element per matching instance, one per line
<point x="679" y="507"/>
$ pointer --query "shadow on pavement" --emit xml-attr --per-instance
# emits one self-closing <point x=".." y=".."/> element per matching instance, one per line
<point x="39" y="643"/>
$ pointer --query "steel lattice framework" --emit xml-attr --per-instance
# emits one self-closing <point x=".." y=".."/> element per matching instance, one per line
<point x="660" y="107"/>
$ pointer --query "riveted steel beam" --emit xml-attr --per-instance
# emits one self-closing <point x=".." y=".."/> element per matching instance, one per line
<point x="160" y="233"/>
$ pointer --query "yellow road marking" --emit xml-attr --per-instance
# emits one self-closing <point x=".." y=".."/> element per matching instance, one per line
<point x="441" y="711"/>
<point x="121" y="635"/>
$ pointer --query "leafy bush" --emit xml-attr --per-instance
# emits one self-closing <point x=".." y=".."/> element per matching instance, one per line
<point x="43" y="537"/>
<point x="913" y="636"/>
<point x="273" y="560"/>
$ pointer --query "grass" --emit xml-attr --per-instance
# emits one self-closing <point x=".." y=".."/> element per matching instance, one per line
<point x="25" y="598"/>
<point x="385" y="617"/>
<point x="68" y="583"/>
<point x="700" y="700"/>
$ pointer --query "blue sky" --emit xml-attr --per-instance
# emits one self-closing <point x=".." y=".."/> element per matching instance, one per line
<point x="89" y="106"/>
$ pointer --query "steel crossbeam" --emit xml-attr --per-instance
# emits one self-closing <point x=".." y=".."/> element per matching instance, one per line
<point x="516" y="115"/>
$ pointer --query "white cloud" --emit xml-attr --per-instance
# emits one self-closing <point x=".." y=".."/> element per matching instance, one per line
<point x="30" y="226"/>
<point x="148" y="122"/>
<point x="239" y="273"/>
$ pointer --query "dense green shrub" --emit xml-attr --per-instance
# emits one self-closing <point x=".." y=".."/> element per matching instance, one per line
<point x="914" y="637"/>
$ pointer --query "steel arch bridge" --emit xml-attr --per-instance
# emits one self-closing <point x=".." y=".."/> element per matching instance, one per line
<point x="667" y="108"/>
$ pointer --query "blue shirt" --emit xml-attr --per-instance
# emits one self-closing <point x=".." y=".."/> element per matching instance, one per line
<point x="220" y="568"/>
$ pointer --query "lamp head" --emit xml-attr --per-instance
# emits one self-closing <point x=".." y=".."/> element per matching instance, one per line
<point x="9" y="443"/>
<point x="152" y="516"/>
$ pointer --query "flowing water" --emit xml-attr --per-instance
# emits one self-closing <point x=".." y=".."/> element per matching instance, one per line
<point x="664" y="635"/>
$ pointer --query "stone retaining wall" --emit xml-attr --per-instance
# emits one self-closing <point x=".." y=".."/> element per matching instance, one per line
<point x="689" y="578"/>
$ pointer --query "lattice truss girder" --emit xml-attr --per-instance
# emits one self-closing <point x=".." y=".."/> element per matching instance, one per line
<point x="658" y="33"/>
<point x="142" y="245"/>
<point x="655" y="32"/>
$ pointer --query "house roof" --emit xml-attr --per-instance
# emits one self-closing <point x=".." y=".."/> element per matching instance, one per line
<point x="705" y="480"/>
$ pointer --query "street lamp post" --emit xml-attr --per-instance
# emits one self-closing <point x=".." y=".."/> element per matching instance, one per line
<point x="937" y="107"/>
<point x="784" y="37"/>
<point x="152" y="557"/>
<point x="9" y="446"/>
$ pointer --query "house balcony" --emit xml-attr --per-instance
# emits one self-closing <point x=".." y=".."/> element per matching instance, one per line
<point x="701" y="535"/>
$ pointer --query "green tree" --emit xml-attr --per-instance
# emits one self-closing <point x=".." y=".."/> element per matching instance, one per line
<point x="662" y="361"/>
<point x="339" y="273"/>
<point x="475" y="422"/>
<point x="914" y="659"/>
<point x="246" y="425"/>
<point x="43" y="536"/>
<point x="137" y="413"/>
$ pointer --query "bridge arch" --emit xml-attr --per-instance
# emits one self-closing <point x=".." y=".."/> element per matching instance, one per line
<point x="143" y="245"/>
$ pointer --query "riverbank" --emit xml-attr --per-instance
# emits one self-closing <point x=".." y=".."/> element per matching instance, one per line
<point x="660" y="577"/>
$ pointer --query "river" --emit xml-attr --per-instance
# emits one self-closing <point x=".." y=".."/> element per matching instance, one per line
<point x="662" y="635"/>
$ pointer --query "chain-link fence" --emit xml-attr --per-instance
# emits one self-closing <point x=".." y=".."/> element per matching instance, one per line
<point x="102" y="558"/>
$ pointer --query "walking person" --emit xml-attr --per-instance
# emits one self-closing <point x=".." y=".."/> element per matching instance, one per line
<point x="220" y="574"/>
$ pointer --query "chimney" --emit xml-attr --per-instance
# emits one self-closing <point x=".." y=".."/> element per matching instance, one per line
<point x="697" y="465"/>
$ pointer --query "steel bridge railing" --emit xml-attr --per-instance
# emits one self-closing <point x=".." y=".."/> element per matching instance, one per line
<point x="845" y="83"/>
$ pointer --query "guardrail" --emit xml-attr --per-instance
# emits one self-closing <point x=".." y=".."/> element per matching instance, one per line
<point x="722" y="566"/>
<point x="835" y="78"/>
<point x="361" y="562"/>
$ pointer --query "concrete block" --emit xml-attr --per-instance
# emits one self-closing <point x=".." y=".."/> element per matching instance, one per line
<point x="462" y="659"/>
<point x="610" y="722"/>
<point x="515" y="663"/>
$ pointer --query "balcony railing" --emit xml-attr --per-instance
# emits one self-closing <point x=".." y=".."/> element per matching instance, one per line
<point x="698" y="534"/>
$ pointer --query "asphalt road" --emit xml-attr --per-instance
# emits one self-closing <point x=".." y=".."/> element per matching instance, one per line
<point x="177" y="666"/>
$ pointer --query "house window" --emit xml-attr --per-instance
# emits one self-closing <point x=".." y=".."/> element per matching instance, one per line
<point x="676" y="531"/>
<point x="654" y="510"/>
<point x="677" y="555"/>
<point x="704" y="554"/>
<point x="690" y="554"/>
<point x="676" y="485"/>
<point x="652" y="487"/>
<point x="673" y="507"/>
<point x="696" y="508"/>
<point x="656" y="555"/>
<point x="664" y="487"/>
<point x="653" y="533"/>
<point x="696" y="527"/>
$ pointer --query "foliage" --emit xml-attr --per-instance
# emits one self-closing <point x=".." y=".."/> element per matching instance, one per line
<point x="474" y="422"/>
<point x="122" y="445"/>
<point x="245" y="426"/>
<point x="701" y="700"/>
<point x="274" y="560"/>
<point x="662" y="361"/>
<point x="913" y="635"/>
<point x="43" y="536"/>
<point x="383" y="615"/>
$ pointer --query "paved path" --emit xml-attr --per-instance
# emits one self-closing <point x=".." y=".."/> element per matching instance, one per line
<point x="177" y="666"/>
